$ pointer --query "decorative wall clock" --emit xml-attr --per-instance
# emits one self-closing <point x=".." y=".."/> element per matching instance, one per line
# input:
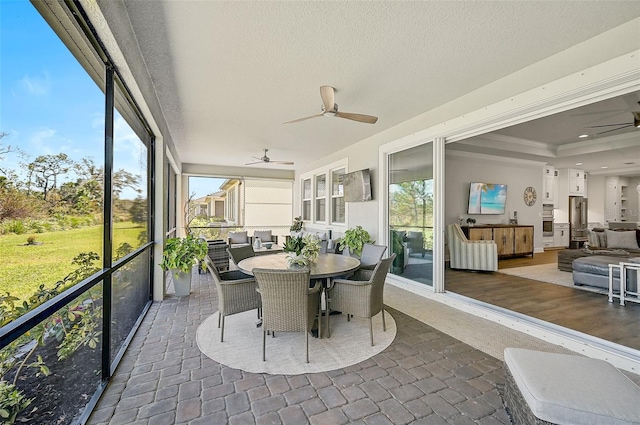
<point x="530" y="196"/>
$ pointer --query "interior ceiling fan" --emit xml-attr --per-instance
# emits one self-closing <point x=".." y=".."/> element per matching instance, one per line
<point x="620" y="126"/>
<point x="330" y="109"/>
<point x="266" y="160"/>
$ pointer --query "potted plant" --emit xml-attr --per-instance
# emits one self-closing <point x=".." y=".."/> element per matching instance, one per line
<point x="353" y="240"/>
<point x="302" y="250"/>
<point x="178" y="256"/>
<point x="296" y="227"/>
<point x="471" y="221"/>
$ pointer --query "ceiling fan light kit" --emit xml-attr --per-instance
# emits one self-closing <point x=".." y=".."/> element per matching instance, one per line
<point x="329" y="108"/>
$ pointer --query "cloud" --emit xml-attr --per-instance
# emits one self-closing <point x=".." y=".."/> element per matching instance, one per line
<point x="36" y="86"/>
<point x="127" y="142"/>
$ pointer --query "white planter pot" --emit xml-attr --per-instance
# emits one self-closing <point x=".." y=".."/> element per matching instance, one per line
<point x="181" y="282"/>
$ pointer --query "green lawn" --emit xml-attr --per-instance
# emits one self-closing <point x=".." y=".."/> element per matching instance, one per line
<point x="24" y="267"/>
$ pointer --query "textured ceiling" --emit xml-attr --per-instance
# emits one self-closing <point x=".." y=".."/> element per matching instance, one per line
<point x="228" y="74"/>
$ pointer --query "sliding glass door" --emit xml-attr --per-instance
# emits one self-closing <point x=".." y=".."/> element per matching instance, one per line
<point x="411" y="212"/>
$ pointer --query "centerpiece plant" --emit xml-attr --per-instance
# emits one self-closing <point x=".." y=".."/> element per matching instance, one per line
<point x="302" y="250"/>
<point x="179" y="256"/>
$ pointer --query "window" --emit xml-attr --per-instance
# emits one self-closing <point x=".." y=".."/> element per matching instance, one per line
<point x="172" y="184"/>
<point x="64" y="185"/>
<point x="231" y="204"/>
<point x="337" y="196"/>
<point x="321" y="197"/>
<point x="306" y="200"/>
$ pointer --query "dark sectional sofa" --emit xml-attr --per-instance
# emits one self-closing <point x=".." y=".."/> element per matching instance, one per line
<point x="607" y="247"/>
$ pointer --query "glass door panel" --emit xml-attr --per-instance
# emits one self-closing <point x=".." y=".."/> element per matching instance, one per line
<point x="411" y="213"/>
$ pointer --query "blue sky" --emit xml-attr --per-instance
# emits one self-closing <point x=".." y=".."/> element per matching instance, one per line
<point x="48" y="103"/>
<point x="204" y="185"/>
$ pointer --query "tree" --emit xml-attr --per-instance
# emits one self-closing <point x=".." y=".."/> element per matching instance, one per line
<point x="138" y="210"/>
<point x="87" y="170"/>
<point x="412" y="203"/>
<point x="5" y="149"/>
<point x="45" y="169"/>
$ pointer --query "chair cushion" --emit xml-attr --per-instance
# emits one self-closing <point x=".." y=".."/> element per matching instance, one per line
<point x="238" y="237"/>
<point x="264" y="235"/>
<point x="568" y="389"/>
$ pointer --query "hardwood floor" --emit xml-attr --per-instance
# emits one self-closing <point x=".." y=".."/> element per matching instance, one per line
<point x="575" y="309"/>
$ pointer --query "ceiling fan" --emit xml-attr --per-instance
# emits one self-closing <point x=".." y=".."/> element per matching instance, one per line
<point x="620" y="126"/>
<point x="330" y="109"/>
<point x="266" y="160"/>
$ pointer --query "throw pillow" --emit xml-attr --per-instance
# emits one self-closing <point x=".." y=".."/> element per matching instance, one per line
<point x="602" y="239"/>
<point x="621" y="240"/>
<point x="592" y="238"/>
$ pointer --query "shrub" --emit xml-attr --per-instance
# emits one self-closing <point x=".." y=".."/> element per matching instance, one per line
<point x="12" y="402"/>
<point x="31" y="240"/>
<point x="14" y="226"/>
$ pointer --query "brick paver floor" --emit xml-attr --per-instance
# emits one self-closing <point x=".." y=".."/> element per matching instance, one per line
<point x="424" y="377"/>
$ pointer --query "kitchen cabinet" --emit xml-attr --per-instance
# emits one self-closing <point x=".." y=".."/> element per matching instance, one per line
<point x="549" y="184"/>
<point x="615" y="198"/>
<point x="576" y="182"/>
<point x="561" y="235"/>
<point x="511" y="240"/>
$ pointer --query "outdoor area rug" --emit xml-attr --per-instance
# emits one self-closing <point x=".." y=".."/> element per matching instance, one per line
<point x="242" y="347"/>
<point x="548" y="273"/>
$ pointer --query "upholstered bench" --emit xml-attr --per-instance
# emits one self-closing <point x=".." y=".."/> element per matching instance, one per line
<point x="551" y="388"/>
<point x="594" y="271"/>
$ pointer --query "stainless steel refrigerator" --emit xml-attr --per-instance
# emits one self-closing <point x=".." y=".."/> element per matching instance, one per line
<point x="578" y="220"/>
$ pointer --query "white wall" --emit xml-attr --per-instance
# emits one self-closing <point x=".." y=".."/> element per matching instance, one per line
<point x="595" y="194"/>
<point x="463" y="168"/>
<point x="633" y="200"/>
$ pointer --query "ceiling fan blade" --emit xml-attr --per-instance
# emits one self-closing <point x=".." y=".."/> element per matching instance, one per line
<point x="281" y="162"/>
<point x="252" y="163"/>
<point x="615" y="129"/>
<point x="608" y="125"/>
<point x="305" y="118"/>
<point x="357" y="117"/>
<point x="328" y="97"/>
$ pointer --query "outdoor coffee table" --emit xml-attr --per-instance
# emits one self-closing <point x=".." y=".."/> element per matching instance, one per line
<point x="264" y="250"/>
<point x="324" y="267"/>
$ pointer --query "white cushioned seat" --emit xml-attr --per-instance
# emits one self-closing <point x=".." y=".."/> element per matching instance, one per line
<point x="573" y="390"/>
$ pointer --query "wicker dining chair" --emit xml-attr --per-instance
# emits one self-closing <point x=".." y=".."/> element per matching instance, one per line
<point x="240" y="253"/>
<point x="371" y="255"/>
<point x="362" y="295"/>
<point x="288" y="304"/>
<point x="236" y="293"/>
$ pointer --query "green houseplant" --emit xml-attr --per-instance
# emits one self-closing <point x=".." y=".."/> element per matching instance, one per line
<point x="354" y="239"/>
<point x="297" y="225"/>
<point x="178" y="256"/>
<point x="302" y="250"/>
